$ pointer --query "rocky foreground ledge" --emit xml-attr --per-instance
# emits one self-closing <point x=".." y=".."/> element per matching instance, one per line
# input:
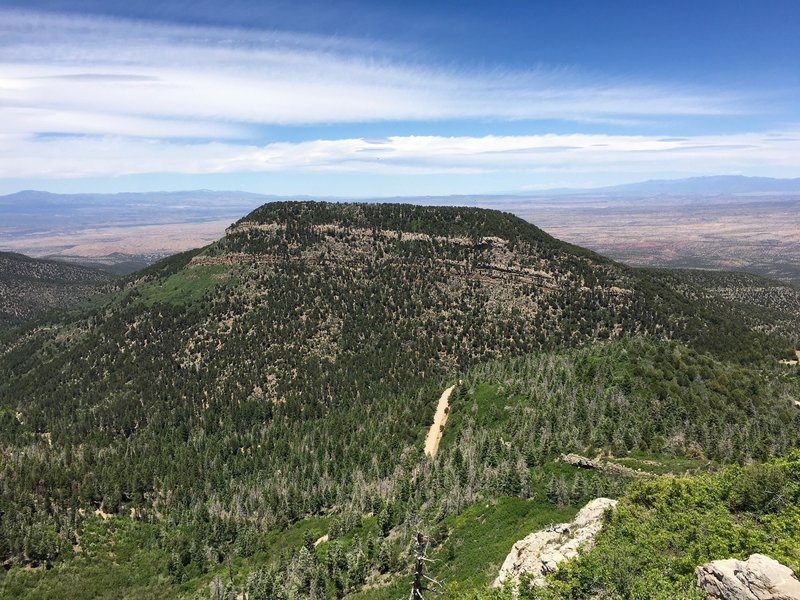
<point x="758" y="578"/>
<point x="540" y="552"/>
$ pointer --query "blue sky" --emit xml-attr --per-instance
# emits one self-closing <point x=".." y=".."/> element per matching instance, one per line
<point x="400" y="98"/>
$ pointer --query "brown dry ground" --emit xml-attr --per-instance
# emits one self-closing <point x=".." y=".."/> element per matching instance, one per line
<point x="756" y="234"/>
<point x="133" y="240"/>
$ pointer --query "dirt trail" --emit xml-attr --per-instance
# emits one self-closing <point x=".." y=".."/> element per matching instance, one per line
<point x="439" y="419"/>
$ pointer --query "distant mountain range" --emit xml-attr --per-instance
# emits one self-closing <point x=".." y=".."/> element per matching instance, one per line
<point x="200" y="204"/>
<point x="718" y="184"/>
<point x="701" y="186"/>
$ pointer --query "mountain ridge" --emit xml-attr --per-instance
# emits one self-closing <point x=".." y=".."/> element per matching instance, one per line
<point x="705" y="184"/>
<point x="30" y="286"/>
<point x="285" y="376"/>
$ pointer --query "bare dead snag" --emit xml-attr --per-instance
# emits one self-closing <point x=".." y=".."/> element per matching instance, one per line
<point x="419" y="566"/>
<point x="419" y="578"/>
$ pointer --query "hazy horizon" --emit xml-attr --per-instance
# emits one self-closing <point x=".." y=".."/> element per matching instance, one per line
<point x="706" y="184"/>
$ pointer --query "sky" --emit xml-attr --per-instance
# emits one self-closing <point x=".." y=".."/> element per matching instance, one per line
<point x="394" y="98"/>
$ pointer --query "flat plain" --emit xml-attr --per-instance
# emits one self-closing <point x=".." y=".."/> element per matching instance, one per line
<point x="759" y="234"/>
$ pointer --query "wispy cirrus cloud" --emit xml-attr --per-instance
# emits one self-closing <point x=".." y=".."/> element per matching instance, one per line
<point x="100" y="97"/>
<point x="100" y="156"/>
<point x="95" y="69"/>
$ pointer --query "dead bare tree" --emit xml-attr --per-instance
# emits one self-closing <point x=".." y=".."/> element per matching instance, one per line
<point x="419" y="566"/>
<point x="419" y="578"/>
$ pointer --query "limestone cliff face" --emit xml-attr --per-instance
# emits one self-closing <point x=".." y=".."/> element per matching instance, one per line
<point x="758" y="578"/>
<point x="540" y="552"/>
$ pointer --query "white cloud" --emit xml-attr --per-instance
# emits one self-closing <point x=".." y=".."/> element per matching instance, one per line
<point x="21" y="156"/>
<point x="141" y="79"/>
<point x="27" y="120"/>
<point x="142" y="98"/>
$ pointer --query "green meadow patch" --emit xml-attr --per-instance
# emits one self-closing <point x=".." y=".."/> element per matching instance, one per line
<point x="187" y="285"/>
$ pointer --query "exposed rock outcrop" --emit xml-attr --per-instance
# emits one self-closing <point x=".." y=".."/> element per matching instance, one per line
<point x="758" y="578"/>
<point x="540" y="552"/>
<point x="576" y="460"/>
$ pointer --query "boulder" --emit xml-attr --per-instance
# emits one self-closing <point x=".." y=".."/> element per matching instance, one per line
<point x="540" y="552"/>
<point x="576" y="460"/>
<point x="758" y="578"/>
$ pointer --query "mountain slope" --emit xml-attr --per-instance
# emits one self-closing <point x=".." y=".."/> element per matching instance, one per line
<point x="291" y="369"/>
<point x="762" y="304"/>
<point x="29" y="286"/>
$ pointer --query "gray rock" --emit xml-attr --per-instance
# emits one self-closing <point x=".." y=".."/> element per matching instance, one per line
<point x="540" y="552"/>
<point x="757" y="578"/>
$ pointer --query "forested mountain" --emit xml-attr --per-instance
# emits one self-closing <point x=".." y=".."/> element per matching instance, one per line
<point x="228" y="406"/>
<point x="29" y="286"/>
<point x="765" y="305"/>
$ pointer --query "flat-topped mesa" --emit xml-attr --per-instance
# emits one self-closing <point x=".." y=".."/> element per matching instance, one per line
<point x="449" y="221"/>
<point x="486" y="245"/>
<point x="335" y="229"/>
